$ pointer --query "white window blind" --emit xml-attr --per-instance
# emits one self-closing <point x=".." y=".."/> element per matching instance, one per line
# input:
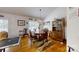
<point x="3" y="25"/>
<point x="48" y="25"/>
<point x="33" y="25"/>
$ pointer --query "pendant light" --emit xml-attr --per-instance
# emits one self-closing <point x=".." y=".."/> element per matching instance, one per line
<point x="40" y="11"/>
<point x="40" y="19"/>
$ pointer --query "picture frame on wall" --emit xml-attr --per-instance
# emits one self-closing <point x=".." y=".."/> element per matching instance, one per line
<point x="21" y="22"/>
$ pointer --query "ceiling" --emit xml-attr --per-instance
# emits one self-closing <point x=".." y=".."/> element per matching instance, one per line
<point x="29" y="11"/>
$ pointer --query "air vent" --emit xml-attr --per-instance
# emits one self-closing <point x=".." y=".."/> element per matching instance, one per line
<point x="30" y="19"/>
<point x="1" y="16"/>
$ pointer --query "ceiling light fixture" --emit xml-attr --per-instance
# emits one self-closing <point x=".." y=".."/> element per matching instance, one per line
<point x="40" y="13"/>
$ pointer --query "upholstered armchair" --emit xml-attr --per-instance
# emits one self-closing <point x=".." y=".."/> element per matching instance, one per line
<point x="3" y="35"/>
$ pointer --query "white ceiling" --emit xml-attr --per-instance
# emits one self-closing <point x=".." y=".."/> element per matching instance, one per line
<point x="28" y="11"/>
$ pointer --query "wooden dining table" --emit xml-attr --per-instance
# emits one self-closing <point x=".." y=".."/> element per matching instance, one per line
<point x="39" y="36"/>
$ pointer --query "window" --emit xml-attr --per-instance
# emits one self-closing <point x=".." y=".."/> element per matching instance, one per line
<point x="48" y="25"/>
<point x="33" y="26"/>
<point x="3" y="25"/>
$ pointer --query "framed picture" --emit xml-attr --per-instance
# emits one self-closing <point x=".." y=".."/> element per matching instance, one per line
<point x="21" y="22"/>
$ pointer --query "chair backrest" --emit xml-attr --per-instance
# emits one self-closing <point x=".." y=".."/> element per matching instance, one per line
<point x="30" y="34"/>
<point x="3" y="35"/>
<point x="46" y="32"/>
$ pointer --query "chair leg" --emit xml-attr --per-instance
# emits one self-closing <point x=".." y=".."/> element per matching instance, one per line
<point x="4" y="50"/>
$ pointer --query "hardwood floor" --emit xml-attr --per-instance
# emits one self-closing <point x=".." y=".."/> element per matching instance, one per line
<point x="24" y="47"/>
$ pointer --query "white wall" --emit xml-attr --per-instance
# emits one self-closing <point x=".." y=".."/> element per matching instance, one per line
<point x="57" y="13"/>
<point x="73" y="28"/>
<point x="13" y="29"/>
